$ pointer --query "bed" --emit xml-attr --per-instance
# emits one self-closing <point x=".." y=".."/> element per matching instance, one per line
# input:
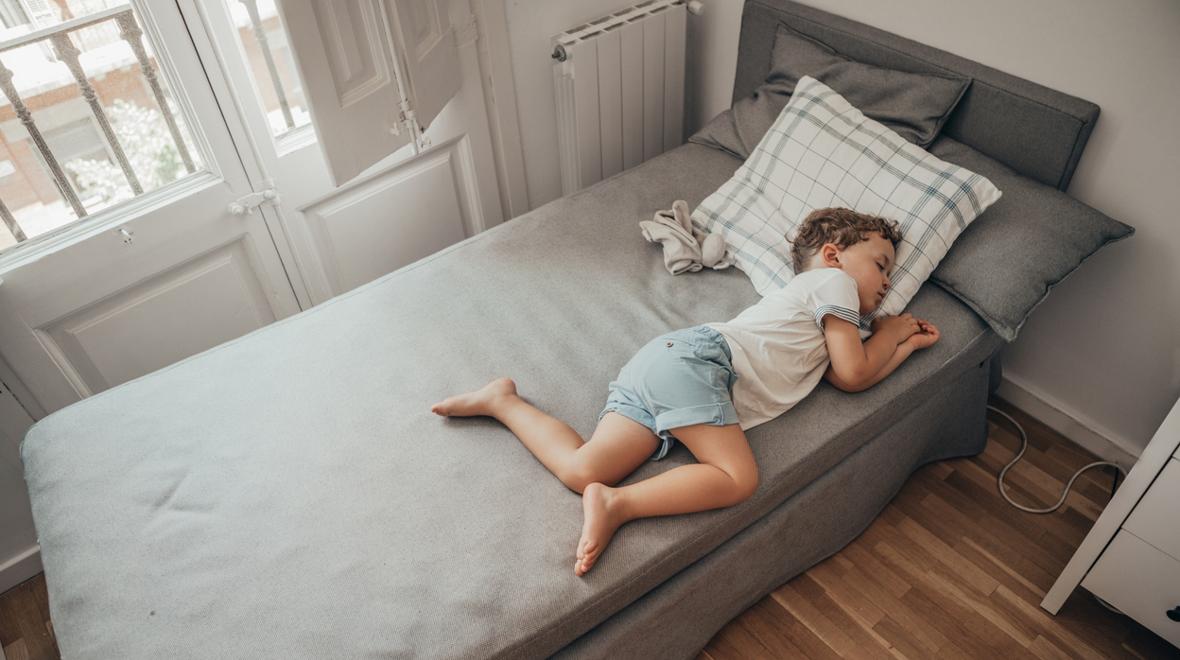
<point x="289" y="494"/>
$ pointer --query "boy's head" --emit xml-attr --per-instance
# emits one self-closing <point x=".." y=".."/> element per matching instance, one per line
<point x="860" y="245"/>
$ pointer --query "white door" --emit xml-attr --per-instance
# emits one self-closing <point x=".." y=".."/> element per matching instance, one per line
<point x="144" y="282"/>
<point x="352" y="214"/>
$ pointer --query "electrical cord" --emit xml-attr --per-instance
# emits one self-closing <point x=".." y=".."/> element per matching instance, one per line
<point x="1019" y="454"/>
<point x="1051" y="509"/>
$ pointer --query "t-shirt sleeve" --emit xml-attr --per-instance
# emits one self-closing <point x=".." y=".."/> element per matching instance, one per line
<point x="836" y="295"/>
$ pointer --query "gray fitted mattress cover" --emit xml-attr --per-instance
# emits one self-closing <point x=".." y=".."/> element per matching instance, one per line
<point x="289" y="494"/>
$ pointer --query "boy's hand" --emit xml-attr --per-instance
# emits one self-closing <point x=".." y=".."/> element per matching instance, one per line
<point x="900" y="327"/>
<point x="926" y="337"/>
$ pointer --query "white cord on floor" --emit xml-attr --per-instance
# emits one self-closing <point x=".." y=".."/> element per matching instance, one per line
<point x="1019" y="454"/>
<point x="1004" y="493"/>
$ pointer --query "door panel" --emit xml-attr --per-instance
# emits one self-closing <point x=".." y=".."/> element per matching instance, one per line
<point x="429" y="57"/>
<point x="386" y="222"/>
<point x="347" y="73"/>
<point x="155" y="322"/>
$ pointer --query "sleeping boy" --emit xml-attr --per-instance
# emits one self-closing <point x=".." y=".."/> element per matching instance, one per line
<point x="708" y="384"/>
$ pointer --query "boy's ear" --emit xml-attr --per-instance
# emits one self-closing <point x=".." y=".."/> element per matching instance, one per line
<point x="830" y="254"/>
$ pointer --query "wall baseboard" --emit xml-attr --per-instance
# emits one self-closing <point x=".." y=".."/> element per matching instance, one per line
<point x="1084" y="432"/>
<point x="20" y="568"/>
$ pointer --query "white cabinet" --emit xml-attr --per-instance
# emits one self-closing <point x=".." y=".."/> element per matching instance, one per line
<point x="1156" y="519"/>
<point x="1131" y="557"/>
<point x="1143" y="582"/>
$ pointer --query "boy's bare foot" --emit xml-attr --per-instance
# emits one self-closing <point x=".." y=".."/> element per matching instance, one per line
<point x="601" y="518"/>
<point x="478" y="402"/>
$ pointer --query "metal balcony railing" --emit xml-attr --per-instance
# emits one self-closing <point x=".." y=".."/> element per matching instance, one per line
<point x="58" y="36"/>
<point x="268" y="56"/>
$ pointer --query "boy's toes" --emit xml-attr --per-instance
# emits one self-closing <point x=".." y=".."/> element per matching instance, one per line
<point x="586" y="562"/>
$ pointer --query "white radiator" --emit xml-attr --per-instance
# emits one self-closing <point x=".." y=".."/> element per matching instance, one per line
<point x="619" y="82"/>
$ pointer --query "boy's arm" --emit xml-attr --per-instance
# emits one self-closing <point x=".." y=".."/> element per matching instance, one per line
<point x="857" y="365"/>
<point x="901" y="352"/>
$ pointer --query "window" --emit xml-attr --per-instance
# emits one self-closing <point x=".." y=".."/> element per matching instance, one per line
<point x="92" y="154"/>
<point x="272" y="67"/>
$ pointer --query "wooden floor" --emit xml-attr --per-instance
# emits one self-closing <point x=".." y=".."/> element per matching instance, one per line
<point x="948" y="570"/>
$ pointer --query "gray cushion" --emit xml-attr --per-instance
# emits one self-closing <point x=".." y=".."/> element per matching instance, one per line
<point x="916" y="105"/>
<point x="1005" y="262"/>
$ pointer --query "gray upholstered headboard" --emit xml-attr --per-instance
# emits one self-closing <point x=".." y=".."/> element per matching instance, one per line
<point x="1037" y="131"/>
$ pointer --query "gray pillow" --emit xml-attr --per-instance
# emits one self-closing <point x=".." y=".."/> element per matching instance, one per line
<point x="916" y="105"/>
<point x="1004" y="263"/>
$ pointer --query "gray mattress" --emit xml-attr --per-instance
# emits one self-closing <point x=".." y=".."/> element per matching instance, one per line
<point x="289" y="494"/>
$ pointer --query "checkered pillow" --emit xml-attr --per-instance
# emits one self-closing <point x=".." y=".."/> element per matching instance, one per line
<point x="823" y="152"/>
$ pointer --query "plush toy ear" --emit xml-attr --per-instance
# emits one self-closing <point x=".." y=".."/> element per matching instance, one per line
<point x="681" y="213"/>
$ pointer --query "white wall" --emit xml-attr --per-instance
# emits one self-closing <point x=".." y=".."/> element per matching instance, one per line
<point x="1104" y="348"/>
<point x="712" y="50"/>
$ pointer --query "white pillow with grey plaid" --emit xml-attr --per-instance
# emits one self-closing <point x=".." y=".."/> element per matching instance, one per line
<point x="822" y="152"/>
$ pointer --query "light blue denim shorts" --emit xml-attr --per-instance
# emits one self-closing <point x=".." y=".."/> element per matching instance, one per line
<point x="680" y="378"/>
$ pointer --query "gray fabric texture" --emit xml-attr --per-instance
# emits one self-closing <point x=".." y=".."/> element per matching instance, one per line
<point x="1006" y="261"/>
<point x="289" y="494"/>
<point x="1037" y="131"/>
<point x="915" y="105"/>
<point x="678" y="618"/>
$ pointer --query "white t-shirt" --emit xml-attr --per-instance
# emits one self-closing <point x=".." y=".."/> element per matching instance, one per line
<point x="778" y="346"/>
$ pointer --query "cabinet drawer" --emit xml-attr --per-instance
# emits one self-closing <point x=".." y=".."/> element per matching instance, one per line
<point x="1139" y="580"/>
<point x="1156" y="519"/>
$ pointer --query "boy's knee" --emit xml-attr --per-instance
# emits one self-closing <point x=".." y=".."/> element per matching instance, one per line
<point x="745" y="485"/>
<point x="576" y="476"/>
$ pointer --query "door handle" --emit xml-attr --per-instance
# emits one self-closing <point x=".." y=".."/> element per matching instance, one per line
<point x="245" y="205"/>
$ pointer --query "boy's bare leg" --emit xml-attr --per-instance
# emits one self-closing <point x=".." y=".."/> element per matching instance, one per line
<point x="725" y="475"/>
<point x="618" y="447"/>
<point x="548" y="438"/>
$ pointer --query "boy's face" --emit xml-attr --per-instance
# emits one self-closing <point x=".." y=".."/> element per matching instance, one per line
<point x="869" y="262"/>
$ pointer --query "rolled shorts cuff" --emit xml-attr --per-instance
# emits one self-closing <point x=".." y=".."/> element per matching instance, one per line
<point x="634" y="413"/>
<point x="716" y="414"/>
<point x="637" y="414"/>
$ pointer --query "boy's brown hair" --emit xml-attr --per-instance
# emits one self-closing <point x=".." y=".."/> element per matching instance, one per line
<point x="842" y="227"/>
